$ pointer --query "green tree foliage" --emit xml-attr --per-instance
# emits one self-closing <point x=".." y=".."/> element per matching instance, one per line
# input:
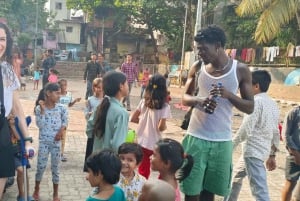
<point x="275" y="15"/>
<point x="21" y="14"/>
<point x="158" y="15"/>
<point x="239" y="30"/>
<point x="24" y="40"/>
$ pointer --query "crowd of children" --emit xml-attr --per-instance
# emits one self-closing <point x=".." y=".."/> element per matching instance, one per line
<point x="117" y="170"/>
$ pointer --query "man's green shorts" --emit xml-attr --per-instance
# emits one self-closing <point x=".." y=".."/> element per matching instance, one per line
<point x="212" y="166"/>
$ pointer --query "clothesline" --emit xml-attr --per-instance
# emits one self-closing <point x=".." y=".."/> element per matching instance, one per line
<point x="268" y="54"/>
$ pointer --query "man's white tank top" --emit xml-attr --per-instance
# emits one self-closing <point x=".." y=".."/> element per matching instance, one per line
<point x="216" y="126"/>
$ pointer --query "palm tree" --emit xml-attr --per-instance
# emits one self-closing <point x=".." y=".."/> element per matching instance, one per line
<point x="274" y="15"/>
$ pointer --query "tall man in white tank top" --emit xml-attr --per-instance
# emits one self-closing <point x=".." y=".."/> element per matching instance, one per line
<point x="209" y="135"/>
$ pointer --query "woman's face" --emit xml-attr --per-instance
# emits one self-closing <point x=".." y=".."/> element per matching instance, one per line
<point x="2" y="42"/>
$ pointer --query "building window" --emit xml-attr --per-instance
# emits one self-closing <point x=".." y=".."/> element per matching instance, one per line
<point x="51" y="36"/>
<point x="58" y="6"/>
<point x="69" y="29"/>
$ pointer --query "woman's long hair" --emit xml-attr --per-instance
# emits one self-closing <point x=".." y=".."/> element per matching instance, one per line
<point x="111" y="86"/>
<point x="9" y="44"/>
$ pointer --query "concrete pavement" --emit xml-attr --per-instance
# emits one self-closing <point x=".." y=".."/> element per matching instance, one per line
<point x="73" y="185"/>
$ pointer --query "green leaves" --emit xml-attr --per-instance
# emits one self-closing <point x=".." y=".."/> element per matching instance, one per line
<point x="274" y="15"/>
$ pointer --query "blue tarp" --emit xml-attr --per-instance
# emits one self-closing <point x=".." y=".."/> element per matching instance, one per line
<point x="293" y="78"/>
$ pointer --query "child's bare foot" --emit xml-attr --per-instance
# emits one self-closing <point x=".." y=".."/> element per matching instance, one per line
<point x="36" y="195"/>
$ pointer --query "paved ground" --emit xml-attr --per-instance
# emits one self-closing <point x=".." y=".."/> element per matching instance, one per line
<point x="73" y="185"/>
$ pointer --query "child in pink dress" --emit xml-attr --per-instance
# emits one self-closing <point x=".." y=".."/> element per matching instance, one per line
<point x="53" y="76"/>
<point x="151" y="114"/>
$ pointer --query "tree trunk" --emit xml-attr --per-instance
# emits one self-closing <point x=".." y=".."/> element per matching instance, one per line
<point x="153" y="41"/>
<point x="298" y="18"/>
<point x="190" y="27"/>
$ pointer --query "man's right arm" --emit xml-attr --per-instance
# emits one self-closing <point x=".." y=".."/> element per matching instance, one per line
<point x="85" y="72"/>
<point x="188" y="99"/>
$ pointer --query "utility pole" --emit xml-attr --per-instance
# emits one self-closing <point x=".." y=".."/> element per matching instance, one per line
<point x="197" y="26"/>
<point x="183" y="44"/>
<point x="36" y="32"/>
<point x="199" y="16"/>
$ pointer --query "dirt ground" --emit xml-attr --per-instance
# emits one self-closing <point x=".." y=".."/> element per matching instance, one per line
<point x="283" y="92"/>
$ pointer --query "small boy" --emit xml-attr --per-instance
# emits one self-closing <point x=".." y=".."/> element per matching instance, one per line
<point x="260" y="136"/>
<point x="18" y="161"/>
<point x="157" y="190"/>
<point x="131" y="182"/>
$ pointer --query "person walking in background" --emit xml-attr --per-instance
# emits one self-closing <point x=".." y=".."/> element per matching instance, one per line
<point x="209" y="136"/>
<point x="9" y="82"/>
<point x="17" y="62"/>
<point x="65" y="99"/>
<point x="92" y="71"/>
<point x="130" y="70"/>
<point x="131" y="182"/>
<point x="47" y="64"/>
<point x="151" y="115"/>
<point x="168" y="157"/>
<point x="291" y="130"/>
<point x="52" y="120"/>
<point x="91" y="105"/>
<point x="103" y="171"/>
<point x="144" y="81"/>
<point x="109" y="123"/>
<point x="259" y="134"/>
<point x="36" y="78"/>
<point x="104" y="67"/>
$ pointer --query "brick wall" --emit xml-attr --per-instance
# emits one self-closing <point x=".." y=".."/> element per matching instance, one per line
<point x="76" y="69"/>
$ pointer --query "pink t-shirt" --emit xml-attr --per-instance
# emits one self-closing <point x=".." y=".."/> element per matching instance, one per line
<point x="53" y="78"/>
<point x="147" y="131"/>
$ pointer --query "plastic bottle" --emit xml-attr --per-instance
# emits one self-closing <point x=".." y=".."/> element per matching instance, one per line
<point x="131" y="135"/>
<point x="214" y="98"/>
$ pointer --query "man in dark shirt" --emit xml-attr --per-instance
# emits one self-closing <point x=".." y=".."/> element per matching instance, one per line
<point x="291" y="129"/>
<point x="91" y="72"/>
<point x="47" y="64"/>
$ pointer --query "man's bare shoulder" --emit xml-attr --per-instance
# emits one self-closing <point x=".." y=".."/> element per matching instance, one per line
<point x="242" y="70"/>
<point x="194" y="68"/>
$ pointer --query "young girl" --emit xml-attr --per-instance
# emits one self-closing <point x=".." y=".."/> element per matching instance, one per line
<point x="104" y="171"/>
<point x="91" y="105"/>
<point x="93" y="101"/>
<point x="65" y="99"/>
<point x="168" y="157"/>
<point x="131" y="182"/>
<point x="151" y="114"/>
<point x="109" y="123"/>
<point x="36" y="78"/>
<point x="53" y="76"/>
<point x="144" y="81"/>
<point x="51" y="119"/>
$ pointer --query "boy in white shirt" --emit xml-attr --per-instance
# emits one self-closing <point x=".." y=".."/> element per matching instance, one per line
<point x="260" y="136"/>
